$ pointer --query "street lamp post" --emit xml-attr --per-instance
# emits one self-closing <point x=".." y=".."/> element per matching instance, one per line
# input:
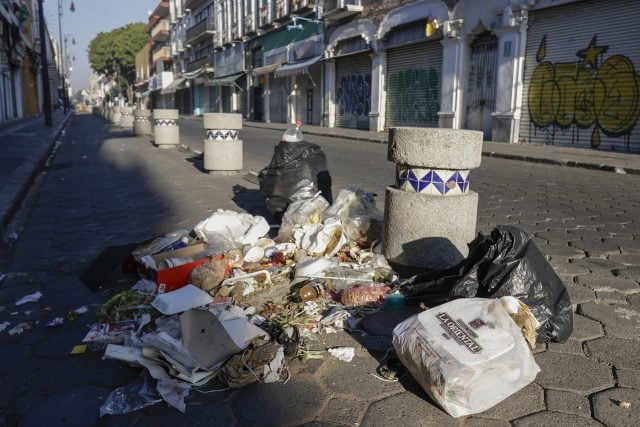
<point x="72" y="8"/>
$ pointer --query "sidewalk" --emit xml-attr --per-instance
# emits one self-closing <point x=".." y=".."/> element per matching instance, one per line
<point x="620" y="162"/>
<point x="24" y="147"/>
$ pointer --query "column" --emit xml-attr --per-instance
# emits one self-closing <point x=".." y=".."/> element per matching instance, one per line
<point x="378" y="94"/>
<point x="455" y="50"/>
<point x="330" y="93"/>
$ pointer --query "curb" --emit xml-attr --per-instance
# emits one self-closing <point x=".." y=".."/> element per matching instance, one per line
<point x="487" y="153"/>
<point x="21" y="179"/>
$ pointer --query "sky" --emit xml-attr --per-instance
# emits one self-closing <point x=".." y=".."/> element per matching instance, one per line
<point x="90" y="18"/>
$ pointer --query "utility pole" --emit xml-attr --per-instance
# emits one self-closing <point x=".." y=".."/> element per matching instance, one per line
<point x="65" y="98"/>
<point x="48" y="121"/>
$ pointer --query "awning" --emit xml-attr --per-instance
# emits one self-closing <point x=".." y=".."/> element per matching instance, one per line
<point x="173" y="86"/>
<point x="229" y="80"/>
<point x="297" y="67"/>
<point x="145" y="94"/>
<point x="266" y="69"/>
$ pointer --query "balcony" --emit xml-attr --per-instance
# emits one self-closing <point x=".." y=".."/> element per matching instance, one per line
<point x="298" y="6"/>
<point x="266" y="16"/>
<point x="201" y="31"/>
<point x="249" y="25"/>
<point x="198" y="63"/>
<point x="162" y="54"/>
<point x="282" y="10"/>
<point x="335" y="10"/>
<point x="192" y="4"/>
<point x="160" y="32"/>
<point x="161" y="10"/>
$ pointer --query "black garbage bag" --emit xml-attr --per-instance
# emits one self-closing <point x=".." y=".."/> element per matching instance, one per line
<point x="293" y="163"/>
<point x="505" y="263"/>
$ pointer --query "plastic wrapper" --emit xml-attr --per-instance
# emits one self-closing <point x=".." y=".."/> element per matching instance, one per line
<point x="291" y="164"/>
<point x="137" y="395"/>
<point x="361" y="220"/>
<point x="467" y="354"/>
<point x="306" y="208"/>
<point x="505" y="263"/>
<point x="360" y="295"/>
<point x="226" y="230"/>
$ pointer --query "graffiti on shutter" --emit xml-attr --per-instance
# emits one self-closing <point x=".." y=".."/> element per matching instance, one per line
<point x="353" y="97"/>
<point x="601" y="95"/>
<point x="414" y="97"/>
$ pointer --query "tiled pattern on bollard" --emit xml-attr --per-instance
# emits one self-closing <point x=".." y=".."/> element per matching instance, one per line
<point x="430" y="215"/>
<point x="166" y="129"/>
<point x="222" y="148"/>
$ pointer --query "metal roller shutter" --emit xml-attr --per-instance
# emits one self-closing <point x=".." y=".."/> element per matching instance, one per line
<point x="413" y="84"/>
<point x="308" y="96"/>
<point x="353" y="91"/>
<point x="581" y="82"/>
<point x="278" y="99"/>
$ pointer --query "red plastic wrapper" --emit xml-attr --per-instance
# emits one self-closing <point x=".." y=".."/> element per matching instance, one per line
<point x="364" y="295"/>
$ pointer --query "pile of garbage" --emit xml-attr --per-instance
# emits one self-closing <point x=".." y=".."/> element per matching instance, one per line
<point x="188" y="319"/>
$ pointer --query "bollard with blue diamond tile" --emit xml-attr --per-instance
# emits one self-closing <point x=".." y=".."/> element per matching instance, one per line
<point x="430" y="214"/>
<point x="222" y="147"/>
<point x="165" y="128"/>
<point x="126" y="118"/>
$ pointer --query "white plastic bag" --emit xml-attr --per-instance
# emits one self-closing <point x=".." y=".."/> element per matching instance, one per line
<point x="467" y="354"/>
<point x="227" y="230"/>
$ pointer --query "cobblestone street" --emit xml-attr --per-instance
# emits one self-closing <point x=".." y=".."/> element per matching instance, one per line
<point x="103" y="187"/>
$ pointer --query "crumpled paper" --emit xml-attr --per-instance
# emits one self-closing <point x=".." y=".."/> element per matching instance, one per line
<point x="29" y="298"/>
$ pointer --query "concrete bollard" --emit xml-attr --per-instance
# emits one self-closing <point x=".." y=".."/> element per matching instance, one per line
<point x="126" y="120"/>
<point x="165" y="128"/>
<point x="222" y="148"/>
<point x="142" y="122"/>
<point x="430" y="216"/>
<point x="117" y="115"/>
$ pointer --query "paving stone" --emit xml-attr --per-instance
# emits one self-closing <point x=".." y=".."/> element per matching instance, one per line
<point x="619" y="321"/>
<point x="12" y="355"/>
<point x="58" y="345"/>
<point x="606" y="407"/>
<point x="25" y="403"/>
<point x="562" y="252"/>
<point x="626" y="259"/>
<point x="354" y="379"/>
<point x="634" y="301"/>
<point x="341" y="410"/>
<point x="621" y="353"/>
<point x="564" y="267"/>
<point x="585" y="329"/>
<point x="608" y="283"/>
<point x="571" y="346"/>
<point x="611" y="298"/>
<point x="570" y="403"/>
<point x="279" y="404"/>
<point x="554" y="236"/>
<point x="196" y="413"/>
<point x="596" y="248"/>
<point x="406" y="409"/>
<point x="599" y="266"/>
<point x="628" y="378"/>
<point x="632" y="273"/>
<point x="528" y="400"/>
<point x="631" y="247"/>
<point x="568" y="372"/>
<point x="579" y="294"/>
<point x="12" y="386"/>
<point x="77" y="407"/>
<point x="549" y="418"/>
<point x="383" y="322"/>
<point x="482" y="422"/>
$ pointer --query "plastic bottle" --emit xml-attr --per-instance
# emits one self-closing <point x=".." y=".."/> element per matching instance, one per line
<point x="293" y="133"/>
<point x="340" y="278"/>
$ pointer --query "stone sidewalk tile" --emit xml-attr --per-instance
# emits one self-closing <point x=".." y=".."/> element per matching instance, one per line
<point x="567" y="402"/>
<point x="568" y="372"/>
<point x="618" y="352"/>
<point x="607" y="409"/>
<point x="549" y="418"/>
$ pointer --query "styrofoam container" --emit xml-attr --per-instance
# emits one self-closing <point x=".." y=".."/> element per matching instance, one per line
<point x="181" y="300"/>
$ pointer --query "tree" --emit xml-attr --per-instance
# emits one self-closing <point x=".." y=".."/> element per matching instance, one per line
<point x="114" y="53"/>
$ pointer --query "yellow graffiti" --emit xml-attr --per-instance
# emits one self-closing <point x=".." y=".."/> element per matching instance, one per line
<point x="583" y="94"/>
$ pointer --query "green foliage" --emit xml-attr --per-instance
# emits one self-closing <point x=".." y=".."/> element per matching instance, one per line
<point x="116" y="51"/>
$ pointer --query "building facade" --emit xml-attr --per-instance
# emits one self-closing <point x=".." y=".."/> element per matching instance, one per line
<point x="535" y="71"/>
<point x="160" y="65"/>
